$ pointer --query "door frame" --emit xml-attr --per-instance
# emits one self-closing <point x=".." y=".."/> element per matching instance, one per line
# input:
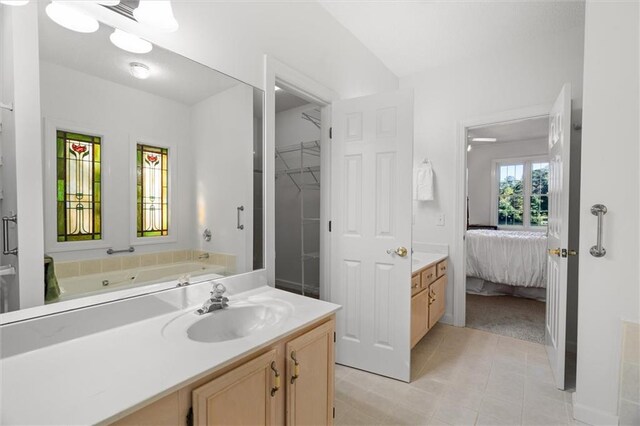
<point x="459" y="248"/>
<point x="299" y="84"/>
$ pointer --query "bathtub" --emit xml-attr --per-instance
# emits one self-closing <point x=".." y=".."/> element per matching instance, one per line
<point x="73" y="287"/>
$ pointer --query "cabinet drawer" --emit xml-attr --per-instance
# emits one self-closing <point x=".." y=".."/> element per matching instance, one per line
<point x="442" y="268"/>
<point x="415" y="284"/>
<point x="428" y="276"/>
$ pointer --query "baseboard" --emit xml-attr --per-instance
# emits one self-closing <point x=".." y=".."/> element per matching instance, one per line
<point x="447" y="319"/>
<point x="591" y="416"/>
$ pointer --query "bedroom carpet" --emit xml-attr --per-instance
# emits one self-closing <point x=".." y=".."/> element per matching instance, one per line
<point x="508" y="316"/>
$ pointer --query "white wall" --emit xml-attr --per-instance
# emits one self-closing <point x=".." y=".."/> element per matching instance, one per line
<point x="521" y="77"/>
<point x="480" y="165"/>
<point x="222" y="133"/>
<point x="21" y="137"/>
<point x="124" y="116"/>
<point x="292" y="129"/>
<point x="609" y="286"/>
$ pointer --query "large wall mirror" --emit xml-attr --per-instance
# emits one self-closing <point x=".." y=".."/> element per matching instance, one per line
<point x="152" y="165"/>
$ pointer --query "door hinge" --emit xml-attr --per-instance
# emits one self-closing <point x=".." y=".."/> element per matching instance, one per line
<point x="334" y="337"/>
<point x="330" y="132"/>
<point x="329" y="226"/>
<point x="190" y="417"/>
<point x="334" y="412"/>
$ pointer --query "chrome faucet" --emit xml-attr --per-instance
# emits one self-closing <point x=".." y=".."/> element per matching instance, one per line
<point x="216" y="302"/>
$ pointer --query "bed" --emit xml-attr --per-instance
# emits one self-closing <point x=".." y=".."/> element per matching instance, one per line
<point x="509" y="259"/>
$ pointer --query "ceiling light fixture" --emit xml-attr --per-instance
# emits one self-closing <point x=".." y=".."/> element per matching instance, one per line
<point x="156" y="14"/>
<point x="14" y="2"/>
<point x="62" y="13"/>
<point x="130" y="42"/>
<point x="138" y="70"/>
<point x="484" y="140"/>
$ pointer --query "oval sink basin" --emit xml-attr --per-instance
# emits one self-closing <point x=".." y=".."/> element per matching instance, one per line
<point x="233" y="323"/>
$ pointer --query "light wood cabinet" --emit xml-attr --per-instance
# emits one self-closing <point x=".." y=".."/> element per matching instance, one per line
<point x="437" y="303"/>
<point x="309" y="385"/>
<point x="243" y="396"/>
<point x="419" y="316"/>
<point x="428" y="302"/>
<point x="244" y="392"/>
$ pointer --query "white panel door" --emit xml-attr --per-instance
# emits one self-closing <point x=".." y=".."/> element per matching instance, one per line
<point x="371" y="211"/>
<point x="558" y="241"/>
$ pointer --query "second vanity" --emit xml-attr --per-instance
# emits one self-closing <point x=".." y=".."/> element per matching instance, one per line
<point x="428" y="290"/>
<point x="268" y="356"/>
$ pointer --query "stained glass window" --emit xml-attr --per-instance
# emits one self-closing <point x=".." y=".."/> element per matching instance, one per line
<point x="78" y="186"/>
<point x="152" y="191"/>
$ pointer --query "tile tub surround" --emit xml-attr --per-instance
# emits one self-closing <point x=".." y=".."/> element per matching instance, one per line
<point x="629" y="408"/>
<point x="122" y="262"/>
<point x="60" y="354"/>
<point x="460" y="376"/>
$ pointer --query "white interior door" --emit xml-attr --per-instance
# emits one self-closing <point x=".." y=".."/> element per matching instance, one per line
<point x="371" y="181"/>
<point x="558" y="235"/>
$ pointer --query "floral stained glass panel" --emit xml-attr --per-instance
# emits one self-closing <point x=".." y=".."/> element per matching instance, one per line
<point x="78" y="186"/>
<point x="152" y="191"/>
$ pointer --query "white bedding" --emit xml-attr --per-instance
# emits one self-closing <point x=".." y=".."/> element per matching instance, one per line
<point x="516" y="258"/>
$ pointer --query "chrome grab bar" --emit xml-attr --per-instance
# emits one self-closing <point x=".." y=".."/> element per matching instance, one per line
<point x="5" y="235"/>
<point x="598" y="210"/>
<point x="240" y="209"/>
<point x="131" y="249"/>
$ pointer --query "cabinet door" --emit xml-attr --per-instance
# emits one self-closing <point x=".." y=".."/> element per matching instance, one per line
<point x="419" y="316"/>
<point x="437" y="303"/>
<point x="310" y="374"/>
<point x="240" y="397"/>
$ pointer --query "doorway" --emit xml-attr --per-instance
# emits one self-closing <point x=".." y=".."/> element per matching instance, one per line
<point x="506" y="227"/>
<point x="298" y="197"/>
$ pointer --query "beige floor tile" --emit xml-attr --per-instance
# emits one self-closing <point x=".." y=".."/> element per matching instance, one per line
<point x="464" y="395"/>
<point x="503" y="410"/>
<point x="536" y="388"/>
<point x="450" y="412"/>
<point x="550" y="408"/>
<point x="459" y="376"/>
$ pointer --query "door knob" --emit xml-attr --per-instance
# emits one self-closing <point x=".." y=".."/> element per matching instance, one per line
<point x="400" y="251"/>
<point x="554" y="252"/>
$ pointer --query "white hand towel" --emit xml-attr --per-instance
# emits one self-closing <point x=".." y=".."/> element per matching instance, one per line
<point x="423" y="182"/>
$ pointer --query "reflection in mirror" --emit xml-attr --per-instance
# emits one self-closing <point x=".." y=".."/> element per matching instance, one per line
<point x="152" y="167"/>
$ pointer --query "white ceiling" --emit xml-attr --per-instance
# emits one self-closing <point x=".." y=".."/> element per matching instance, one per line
<point x="172" y="76"/>
<point x="513" y="131"/>
<point x="412" y="36"/>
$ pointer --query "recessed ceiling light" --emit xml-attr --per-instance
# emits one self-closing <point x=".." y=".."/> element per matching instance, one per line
<point x="14" y="2"/>
<point x="130" y="42"/>
<point x="484" y="140"/>
<point x="138" y="70"/>
<point x="156" y="14"/>
<point x="62" y="13"/>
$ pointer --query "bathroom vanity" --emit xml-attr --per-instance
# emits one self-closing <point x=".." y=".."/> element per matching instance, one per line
<point x="428" y="291"/>
<point x="266" y="359"/>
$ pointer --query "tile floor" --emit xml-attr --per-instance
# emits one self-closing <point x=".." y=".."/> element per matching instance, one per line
<point x="460" y="376"/>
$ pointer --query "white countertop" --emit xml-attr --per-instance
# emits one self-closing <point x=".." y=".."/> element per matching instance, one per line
<point x="421" y="259"/>
<point x="93" y="378"/>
